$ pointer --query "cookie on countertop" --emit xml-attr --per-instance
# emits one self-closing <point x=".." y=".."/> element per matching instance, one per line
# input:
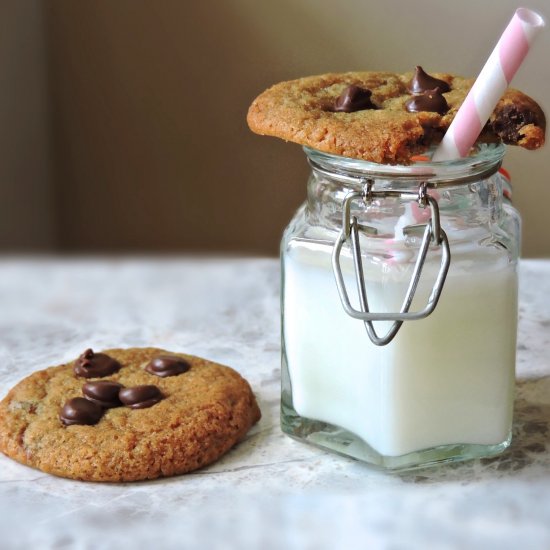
<point x="126" y="415"/>
<point x="385" y="117"/>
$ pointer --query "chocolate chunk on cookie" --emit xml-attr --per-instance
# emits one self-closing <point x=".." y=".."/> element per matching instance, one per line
<point x="353" y="99"/>
<point x="430" y="101"/>
<point x="166" y="365"/>
<point x="95" y="365"/>
<point x="170" y="425"/>
<point x="103" y="392"/>
<point x="397" y="123"/>
<point x="422" y="82"/>
<point x="517" y="120"/>
<point x="140" y="397"/>
<point x="80" y="411"/>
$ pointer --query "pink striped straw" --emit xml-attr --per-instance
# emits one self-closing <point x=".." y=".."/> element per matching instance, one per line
<point x="489" y="86"/>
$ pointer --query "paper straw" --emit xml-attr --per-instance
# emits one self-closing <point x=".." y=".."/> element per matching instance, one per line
<point x="489" y="86"/>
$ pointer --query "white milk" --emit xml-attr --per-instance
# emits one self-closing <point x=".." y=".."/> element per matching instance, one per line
<point x="446" y="379"/>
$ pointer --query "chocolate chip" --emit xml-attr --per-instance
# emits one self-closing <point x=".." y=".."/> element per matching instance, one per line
<point x="140" y="397"/>
<point x="80" y="411"/>
<point x="352" y="99"/>
<point x="95" y="365"/>
<point x="509" y="121"/>
<point x="103" y="392"/>
<point x="423" y="82"/>
<point x="167" y="365"/>
<point x="431" y="100"/>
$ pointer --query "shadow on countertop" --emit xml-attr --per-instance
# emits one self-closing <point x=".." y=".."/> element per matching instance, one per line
<point x="529" y="447"/>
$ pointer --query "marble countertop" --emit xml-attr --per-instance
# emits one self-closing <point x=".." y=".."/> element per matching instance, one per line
<point x="270" y="491"/>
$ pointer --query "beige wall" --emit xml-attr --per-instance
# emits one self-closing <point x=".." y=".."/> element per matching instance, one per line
<point x="149" y="100"/>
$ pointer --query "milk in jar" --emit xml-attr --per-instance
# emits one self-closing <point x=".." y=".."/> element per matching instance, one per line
<point x="442" y="388"/>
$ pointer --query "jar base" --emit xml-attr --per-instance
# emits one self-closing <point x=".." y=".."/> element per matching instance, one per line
<point x="333" y="438"/>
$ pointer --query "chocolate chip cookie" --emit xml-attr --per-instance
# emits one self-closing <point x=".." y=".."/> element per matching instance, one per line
<point x="385" y="117"/>
<point x="126" y="415"/>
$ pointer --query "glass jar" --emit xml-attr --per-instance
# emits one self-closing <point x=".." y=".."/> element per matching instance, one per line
<point x="399" y="310"/>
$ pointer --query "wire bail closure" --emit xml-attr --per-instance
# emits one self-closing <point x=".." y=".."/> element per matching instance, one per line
<point x="432" y="233"/>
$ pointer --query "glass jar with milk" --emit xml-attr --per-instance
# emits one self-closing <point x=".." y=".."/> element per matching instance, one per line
<point x="399" y="310"/>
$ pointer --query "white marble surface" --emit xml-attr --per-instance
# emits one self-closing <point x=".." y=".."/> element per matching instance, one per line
<point x="271" y="491"/>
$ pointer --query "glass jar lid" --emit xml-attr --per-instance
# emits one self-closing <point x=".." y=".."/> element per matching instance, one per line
<point x="484" y="161"/>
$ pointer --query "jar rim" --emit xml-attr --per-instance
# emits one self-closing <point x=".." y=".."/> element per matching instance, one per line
<point x="484" y="161"/>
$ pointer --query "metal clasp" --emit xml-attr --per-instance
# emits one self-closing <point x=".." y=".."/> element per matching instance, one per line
<point x="432" y="232"/>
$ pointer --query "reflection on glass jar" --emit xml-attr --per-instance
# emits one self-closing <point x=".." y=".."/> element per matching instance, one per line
<point x="442" y="388"/>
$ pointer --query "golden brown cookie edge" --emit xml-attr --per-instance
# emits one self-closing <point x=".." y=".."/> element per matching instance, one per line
<point x="413" y="134"/>
<point x="215" y="442"/>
